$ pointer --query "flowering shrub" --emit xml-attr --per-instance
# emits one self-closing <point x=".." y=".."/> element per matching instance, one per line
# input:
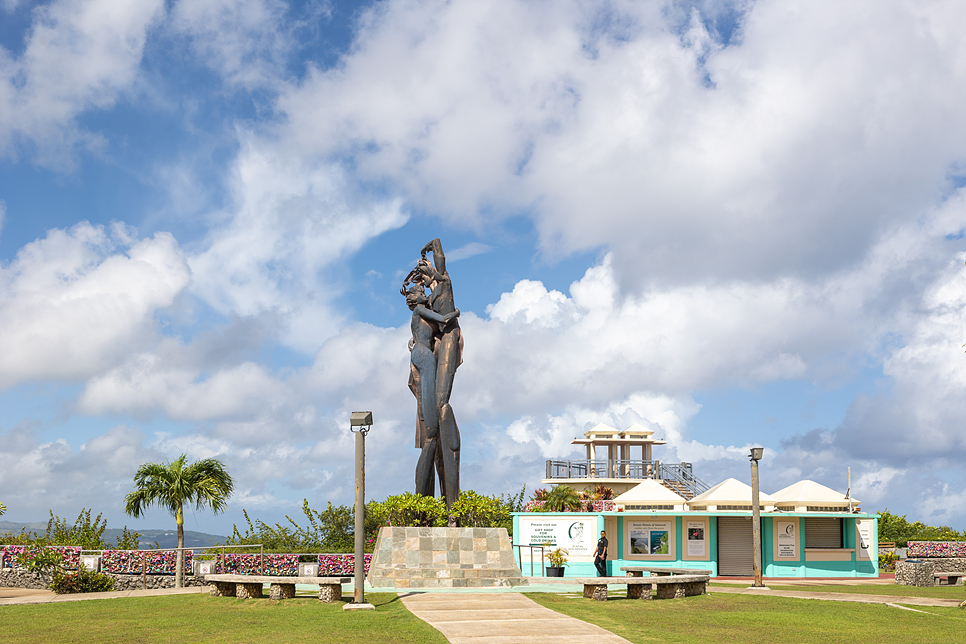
<point x="130" y="561"/>
<point x="936" y="549"/>
<point x="82" y="581"/>
<point x="585" y="506"/>
<point x="339" y="565"/>
<point x="70" y="555"/>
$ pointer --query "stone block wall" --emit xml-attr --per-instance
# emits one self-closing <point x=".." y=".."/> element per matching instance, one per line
<point x="919" y="572"/>
<point x="444" y="558"/>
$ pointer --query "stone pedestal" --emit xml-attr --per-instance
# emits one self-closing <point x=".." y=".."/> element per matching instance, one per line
<point x="330" y="593"/>
<point x="248" y="591"/>
<point x="278" y="592"/>
<point x="444" y="558"/>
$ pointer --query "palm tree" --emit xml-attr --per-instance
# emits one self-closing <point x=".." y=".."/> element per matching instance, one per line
<point x="204" y="483"/>
<point x="562" y="499"/>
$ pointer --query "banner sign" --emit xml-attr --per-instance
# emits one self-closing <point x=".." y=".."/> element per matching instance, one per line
<point x="578" y="537"/>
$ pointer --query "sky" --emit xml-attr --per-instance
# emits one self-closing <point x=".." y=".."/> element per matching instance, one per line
<point x="738" y="223"/>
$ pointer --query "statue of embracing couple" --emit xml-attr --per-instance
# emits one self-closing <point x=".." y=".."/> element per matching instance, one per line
<point x="437" y="350"/>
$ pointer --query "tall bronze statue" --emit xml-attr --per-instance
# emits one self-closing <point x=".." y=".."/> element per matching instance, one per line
<point x="437" y="350"/>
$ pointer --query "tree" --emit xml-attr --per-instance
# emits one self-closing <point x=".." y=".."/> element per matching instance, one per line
<point x="204" y="483"/>
<point x="3" y="509"/>
<point x="562" y="499"/>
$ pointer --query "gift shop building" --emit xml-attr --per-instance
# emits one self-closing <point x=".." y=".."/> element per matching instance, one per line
<point x="665" y="516"/>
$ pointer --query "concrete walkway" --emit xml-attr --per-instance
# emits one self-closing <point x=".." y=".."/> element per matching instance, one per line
<point x="842" y="597"/>
<point x="505" y="618"/>
<point x="11" y="596"/>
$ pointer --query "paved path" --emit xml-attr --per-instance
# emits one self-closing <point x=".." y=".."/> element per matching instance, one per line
<point x="506" y="618"/>
<point x="842" y="597"/>
<point x="10" y="596"/>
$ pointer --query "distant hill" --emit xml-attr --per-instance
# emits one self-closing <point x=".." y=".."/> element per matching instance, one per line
<point x="164" y="538"/>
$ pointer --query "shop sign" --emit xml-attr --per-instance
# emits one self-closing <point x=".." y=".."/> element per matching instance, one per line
<point x="577" y="537"/>
<point x="649" y="537"/>
<point x="696" y="539"/>
<point x="786" y="539"/>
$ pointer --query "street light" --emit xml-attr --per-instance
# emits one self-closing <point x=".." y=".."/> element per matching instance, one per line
<point x="360" y="422"/>
<point x="756" y="454"/>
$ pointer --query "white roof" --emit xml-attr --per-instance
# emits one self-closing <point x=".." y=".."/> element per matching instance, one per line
<point x="637" y="429"/>
<point x="650" y="490"/>
<point x="599" y="429"/>
<point x="730" y="492"/>
<point x="810" y="493"/>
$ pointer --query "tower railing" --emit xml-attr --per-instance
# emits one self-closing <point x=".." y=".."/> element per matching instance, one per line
<point x="678" y="476"/>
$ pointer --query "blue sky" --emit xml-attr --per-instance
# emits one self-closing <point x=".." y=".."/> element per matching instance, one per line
<point x="738" y="222"/>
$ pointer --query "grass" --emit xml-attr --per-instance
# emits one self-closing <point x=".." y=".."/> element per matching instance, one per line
<point x="710" y="619"/>
<point x="202" y="618"/>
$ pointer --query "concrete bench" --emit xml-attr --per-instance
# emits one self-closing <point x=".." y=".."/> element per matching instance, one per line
<point x="668" y="587"/>
<point x="248" y="586"/>
<point x="658" y="571"/>
<point x="952" y="578"/>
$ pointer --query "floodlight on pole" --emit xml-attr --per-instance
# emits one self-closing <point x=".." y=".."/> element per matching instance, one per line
<point x="360" y="422"/>
<point x="755" y="456"/>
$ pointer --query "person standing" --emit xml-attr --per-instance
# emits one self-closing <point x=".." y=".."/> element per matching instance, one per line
<point x="600" y="555"/>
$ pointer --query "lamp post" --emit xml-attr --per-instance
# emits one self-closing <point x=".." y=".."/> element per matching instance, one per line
<point x="360" y="422"/>
<point x="756" y="454"/>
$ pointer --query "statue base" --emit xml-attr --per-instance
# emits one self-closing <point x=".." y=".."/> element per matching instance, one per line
<point x="444" y="558"/>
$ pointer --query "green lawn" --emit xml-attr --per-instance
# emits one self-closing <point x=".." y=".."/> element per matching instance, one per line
<point x="710" y="619"/>
<point x="202" y="618"/>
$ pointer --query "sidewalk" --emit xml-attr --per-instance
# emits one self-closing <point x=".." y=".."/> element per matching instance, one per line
<point x="842" y="597"/>
<point x="505" y="618"/>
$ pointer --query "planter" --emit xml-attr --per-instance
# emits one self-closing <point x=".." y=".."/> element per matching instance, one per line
<point x="554" y="571"/>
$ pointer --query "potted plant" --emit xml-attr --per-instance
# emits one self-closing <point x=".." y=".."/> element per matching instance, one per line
<point x="558" y="559"/>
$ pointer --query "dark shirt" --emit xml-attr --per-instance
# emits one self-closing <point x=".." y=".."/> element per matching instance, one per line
<point x="601" y="546"/>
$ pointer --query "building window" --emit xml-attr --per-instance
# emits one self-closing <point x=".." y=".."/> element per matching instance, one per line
<point x="823" y="532"/>
<point x="648" y="507"/>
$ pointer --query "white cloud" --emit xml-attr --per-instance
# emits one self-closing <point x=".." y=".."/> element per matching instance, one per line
<point x="469" y="250"/>
<point x="78" y="56"/>
<point x="244" y="41"/>
<point x="70" y="306"/>
<point x="789" y="151"/>
<point x="292" y="222"/>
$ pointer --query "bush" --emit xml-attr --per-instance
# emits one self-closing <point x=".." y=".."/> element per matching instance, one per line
<point x="82" y="581"/>
<point x="39" y="559"/>
<point x="887" y="561"/>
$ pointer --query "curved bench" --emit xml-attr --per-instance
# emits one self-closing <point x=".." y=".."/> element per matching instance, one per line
<point x="248" y="586"/>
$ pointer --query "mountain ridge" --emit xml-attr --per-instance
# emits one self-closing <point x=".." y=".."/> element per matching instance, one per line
<point x="164" y="538"/>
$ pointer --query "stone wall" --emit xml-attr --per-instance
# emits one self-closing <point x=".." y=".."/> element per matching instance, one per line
<point x="444" y="558"/>
<point x="919" y="572"/>
<point x="41" y="581"/>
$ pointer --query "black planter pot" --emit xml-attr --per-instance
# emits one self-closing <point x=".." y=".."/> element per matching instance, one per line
<point x="554" y="571"/>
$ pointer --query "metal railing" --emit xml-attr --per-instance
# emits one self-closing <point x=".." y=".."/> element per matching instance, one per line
<point x="678" y="477"/>
<point x="519" y="548"/>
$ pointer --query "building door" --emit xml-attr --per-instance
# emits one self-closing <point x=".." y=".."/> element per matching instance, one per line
<point x="736" y="554"/>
